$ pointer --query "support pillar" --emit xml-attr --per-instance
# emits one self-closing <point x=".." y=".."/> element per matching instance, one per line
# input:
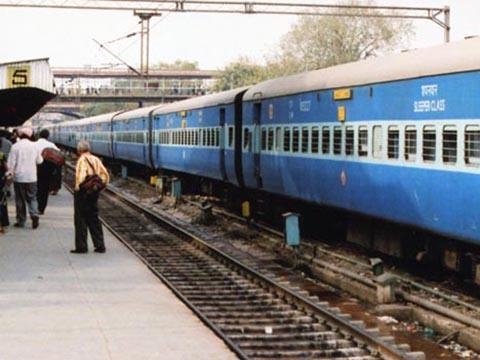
<point x="292" y="229"/>
<point x="385" y="288"/>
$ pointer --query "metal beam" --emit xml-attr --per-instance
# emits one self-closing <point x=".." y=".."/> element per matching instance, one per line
<point x="244" y="7"/>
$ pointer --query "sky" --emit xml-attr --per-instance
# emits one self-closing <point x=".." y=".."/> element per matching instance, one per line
<point x="66" y="36"/>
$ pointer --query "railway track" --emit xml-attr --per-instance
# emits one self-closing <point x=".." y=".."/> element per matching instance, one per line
<point x="257" y="317"/>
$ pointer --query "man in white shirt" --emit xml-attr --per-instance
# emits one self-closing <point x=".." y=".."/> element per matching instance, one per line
<point x="22" y="165"/>
<point x="46" y="170"/>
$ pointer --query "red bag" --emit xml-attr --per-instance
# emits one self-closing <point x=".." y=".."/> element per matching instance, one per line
<point x="92" y="183"/>
<point x="54" y="156"/>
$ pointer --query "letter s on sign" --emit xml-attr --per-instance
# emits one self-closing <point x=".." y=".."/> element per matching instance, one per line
<point x="18" y="76"/>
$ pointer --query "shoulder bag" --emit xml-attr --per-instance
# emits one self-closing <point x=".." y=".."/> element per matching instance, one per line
<point x="93" y="183"/>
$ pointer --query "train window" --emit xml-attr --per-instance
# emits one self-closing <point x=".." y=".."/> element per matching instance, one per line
<point x="325" y="140"/>
<point x="315" y="139"/>
<point x="305" y="140"/>
<point x="209" y="137"/>
<point x="264" y="139"/>
<point x="295" y="139"/>
<point x="393" y="140"/>
<point x="362" y="141"/>
<point x="204" y="137"/>
<point x="349" y="133"/>
<point x="337" y="140"/>
<point x="270" y="139"/>
<point x="429" y="142"/>
<point x="472" y="145"/>
<point x="377" y="142"/>
<point x="217" y="137"/>
<point x="195" y="137"/>
<point x="449" y="145"/>
<point x="278" y="139"/>
<point x="410" y="143"/>
<point x="286" y="139"/>
<point x="246" y="139"/>
<point x="230" y="136"/>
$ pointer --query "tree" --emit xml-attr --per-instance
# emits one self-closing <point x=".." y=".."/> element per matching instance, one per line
<point x="241" y="72"/>
<point x="92" y="109"/>
<point x="177" y="65"/>
<point x="316" y="42"/>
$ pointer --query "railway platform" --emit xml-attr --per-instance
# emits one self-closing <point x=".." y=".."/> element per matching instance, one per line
<point x="58" y="305"/>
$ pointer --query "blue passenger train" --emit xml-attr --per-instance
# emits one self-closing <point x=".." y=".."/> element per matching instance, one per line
<point x="394" y="138"/>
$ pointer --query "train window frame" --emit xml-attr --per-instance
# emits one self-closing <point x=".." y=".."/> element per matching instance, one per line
<point x="305" y="142"/>
<point x="429" y="156"/>
<point x="263" y="139"/>
<point x="270" y="138"/>
<point x="410" y="143"/>
<point x="315" y="140"/>
<point x="337" y="140"/>
<point x="393" y="142"/>
<point x="362" y="146"/>
<point x="377" y="141"/>
<point x="326" y="144"/>
<point x="449" y="153"/>
<point x="295" y="139"/>
<point x="231" y="136"/>
<point x="349" y="141"/>
<point x="278" y="138"/>
<point x="246" y="139"/>
<point x="287" y="137"/>
<point x="472" y="136"/>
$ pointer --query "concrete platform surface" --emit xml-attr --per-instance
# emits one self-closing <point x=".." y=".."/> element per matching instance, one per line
<point x="57" y="305"/>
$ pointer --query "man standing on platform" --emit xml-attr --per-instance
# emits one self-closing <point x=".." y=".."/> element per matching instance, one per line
<point x="86" y="205"/>
<point x="22" y="165"/>
<point x="45" y="172"/>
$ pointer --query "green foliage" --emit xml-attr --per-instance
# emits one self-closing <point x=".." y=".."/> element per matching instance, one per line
<point x="316" y="42"/>
<point x="177" y="65"/>
<point x="240" y="73"/>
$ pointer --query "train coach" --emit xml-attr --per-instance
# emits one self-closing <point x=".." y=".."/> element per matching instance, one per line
<point x="394" y="138"/>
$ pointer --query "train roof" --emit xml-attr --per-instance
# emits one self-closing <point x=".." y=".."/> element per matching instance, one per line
<point x="224" y="97"/>
<point x="138" y="113"/>
<point x="448" y="58"/>
<point x="90" y="120"/>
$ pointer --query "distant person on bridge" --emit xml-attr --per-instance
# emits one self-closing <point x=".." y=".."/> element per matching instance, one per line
<point x="86" y="204"/>
<point x="46" y="171"/>
<point x="22" y="165"/>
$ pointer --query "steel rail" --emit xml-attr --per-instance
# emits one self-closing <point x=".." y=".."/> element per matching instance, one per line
<point x="381" y="347"/>
<point x="231" y="345"/>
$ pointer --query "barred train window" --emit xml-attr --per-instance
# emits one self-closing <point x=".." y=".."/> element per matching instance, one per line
<point x="472" y="145"/>
<point x="393" y="142"/>
<point x="325" y="140"/>
<point x="410" y="143"/>
<point x="270" y="139"/>
<point x="349" y="140"/>
<point x="315" y="139"/>
<point x="305" y="134"/>
<point x="295" y="139"/>
<point x="362" y="141"/>
<point x="246" y="139"/>
<point x="286" y="139"/>
<point x="377" y="143"/>
<point x="230" y="136"/>
<point x="195" y="137"/>
<point x="264" y="139"/>
<point x="429" y="138"/>
<point x="337" y="140"/>
<point x="217" y="137"/>
<point x="449" y="153"/>
<point x="278" y="139"/>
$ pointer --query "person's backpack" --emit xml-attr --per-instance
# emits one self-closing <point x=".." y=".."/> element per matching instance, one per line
<point x="92" y="183"/>
<point x="53" y="156"/>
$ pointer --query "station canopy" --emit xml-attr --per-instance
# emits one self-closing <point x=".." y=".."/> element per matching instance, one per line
<point x="25" y="87"/>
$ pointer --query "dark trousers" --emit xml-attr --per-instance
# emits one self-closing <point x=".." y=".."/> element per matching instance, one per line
<point x="86" y="216"/>
<point x="25" y="193"/>
<point x="45" y="178"/>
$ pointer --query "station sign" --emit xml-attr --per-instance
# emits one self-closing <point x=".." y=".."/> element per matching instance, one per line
<point x="18" y="76"/>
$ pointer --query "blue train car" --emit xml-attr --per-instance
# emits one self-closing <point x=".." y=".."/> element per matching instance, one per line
<point x="395" y="138"/>
<point x="131" y="135"/>
<point x="196" y="136"/>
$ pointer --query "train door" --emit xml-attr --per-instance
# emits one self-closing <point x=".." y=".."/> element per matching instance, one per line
<point x="222" y="143"/>
<point x="257" y="145"/>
